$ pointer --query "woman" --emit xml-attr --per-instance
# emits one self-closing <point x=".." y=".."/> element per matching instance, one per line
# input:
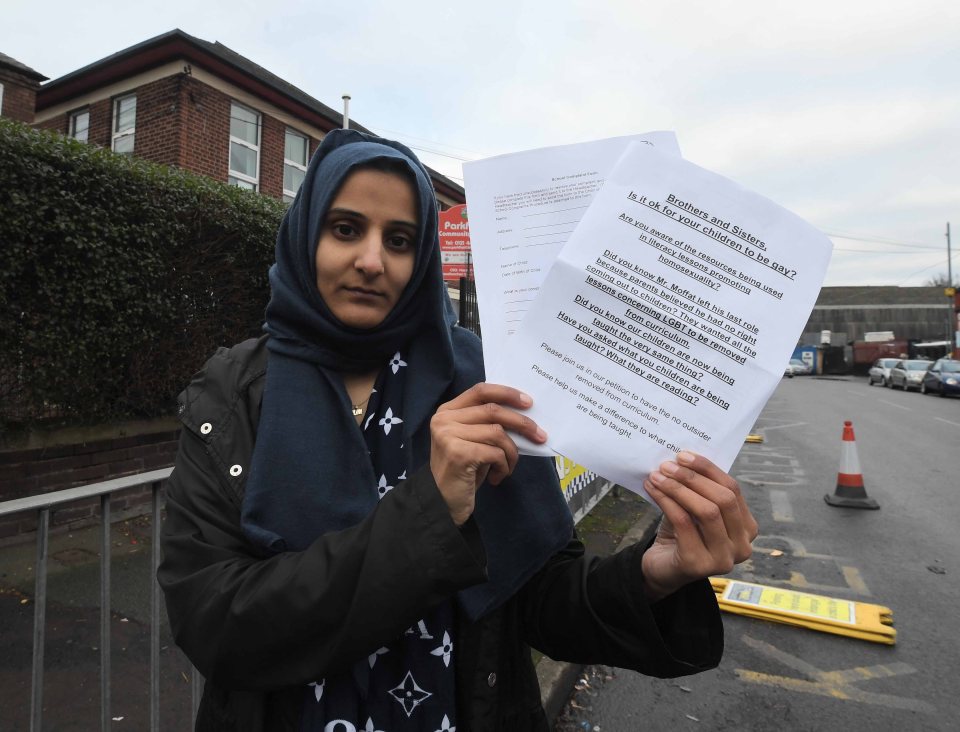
<point x="352" y="541"/>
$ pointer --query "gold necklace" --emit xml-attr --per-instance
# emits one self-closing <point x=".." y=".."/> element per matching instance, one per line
<point x="358" y="408"/>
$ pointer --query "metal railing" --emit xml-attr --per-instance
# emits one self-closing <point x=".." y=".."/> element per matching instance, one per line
<point x="42" y="505"/>
<point x="582" y="500"/>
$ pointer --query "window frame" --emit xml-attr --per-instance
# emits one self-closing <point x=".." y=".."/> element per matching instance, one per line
<point x="72" y="124"/>
<point x="302" y="167"/>
<point x="131" y="132"/>
<point x="233" y="174"/>
<point x="1" y="98"/>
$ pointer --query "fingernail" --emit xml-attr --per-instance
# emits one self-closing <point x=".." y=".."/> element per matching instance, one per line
<point x="686" y="457"/>
<point x="541" y="435"/>
<point x="669" y="468"/>
<point x="656" y="478"/>
<point x="526" y="400"/>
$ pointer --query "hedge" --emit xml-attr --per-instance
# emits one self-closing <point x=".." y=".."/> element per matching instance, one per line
<point x="118" y="278"/>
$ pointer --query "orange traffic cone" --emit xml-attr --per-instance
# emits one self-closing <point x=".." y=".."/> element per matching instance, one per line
<point x="850" y="492"/>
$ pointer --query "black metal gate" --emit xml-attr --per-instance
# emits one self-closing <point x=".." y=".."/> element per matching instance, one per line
<point x="469" y="312"/>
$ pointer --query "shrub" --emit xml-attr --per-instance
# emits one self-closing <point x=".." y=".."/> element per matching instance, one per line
<point x="118" y="277"/>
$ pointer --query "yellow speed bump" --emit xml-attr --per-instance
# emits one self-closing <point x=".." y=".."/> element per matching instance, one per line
<point x="825" y="614"/>
<point x="753" y="439"/>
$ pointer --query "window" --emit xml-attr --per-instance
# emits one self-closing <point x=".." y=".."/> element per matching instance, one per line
<point x="295" y="150"/>
<point x="80" y="125"/>
<point x="244" y="147"/>
<point x="124" y="123"/>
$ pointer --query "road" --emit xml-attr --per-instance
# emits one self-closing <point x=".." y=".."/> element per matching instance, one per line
<point x="903" y="556"/>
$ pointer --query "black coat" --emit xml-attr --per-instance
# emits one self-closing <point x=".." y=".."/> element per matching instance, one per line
<point x="260" y="627"/>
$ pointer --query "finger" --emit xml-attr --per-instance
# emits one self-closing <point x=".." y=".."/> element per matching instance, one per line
<point x="493" y="465"/>
<point x="694" y="558"/>
<point x="461" y="459"/>
<point x="492" y="413"/>
<point x="492" y="435"/>
<point x="704" y="466"/>
<point x="719" y="527"/>
<point x="486" y="392"/>
<point x="718" y="487"/>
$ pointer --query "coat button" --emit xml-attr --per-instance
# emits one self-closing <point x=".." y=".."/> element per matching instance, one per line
<point x="206" y="428"/>
<point x="236" y="470"/>
<point x="492" y="680"/>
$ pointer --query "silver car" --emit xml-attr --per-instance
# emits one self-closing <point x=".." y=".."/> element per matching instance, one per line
<point x="879" y="373"/>
<point x="908" y="374"/>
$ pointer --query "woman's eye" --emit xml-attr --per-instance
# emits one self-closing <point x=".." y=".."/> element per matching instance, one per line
<point x="343" y="230"/>
<point x="400" y="242"/>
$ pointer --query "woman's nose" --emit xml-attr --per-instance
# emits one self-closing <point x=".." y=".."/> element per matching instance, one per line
<point x="370" y="256"/>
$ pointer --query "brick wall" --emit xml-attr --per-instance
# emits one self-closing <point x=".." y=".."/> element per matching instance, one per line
<point x="272" y="137"/>
<point x="44" y="470"/>
<point x="19" y="96"/>
<point x="158" y="121"/>
<point x="182" y="121"/>
<point x="101" y="123"/>
<point x="204" y="129"/>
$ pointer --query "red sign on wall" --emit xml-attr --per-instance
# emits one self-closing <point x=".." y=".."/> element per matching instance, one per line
<point x="455" y="243"/>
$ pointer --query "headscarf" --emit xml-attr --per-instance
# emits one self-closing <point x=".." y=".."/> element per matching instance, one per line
<point x="311" y="473"/>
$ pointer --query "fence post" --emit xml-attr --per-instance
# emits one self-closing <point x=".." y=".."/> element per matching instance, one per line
<point x="105" y="612"/>
<point x="39" y="620"/>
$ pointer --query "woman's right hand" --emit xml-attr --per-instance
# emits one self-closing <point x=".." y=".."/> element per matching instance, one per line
<point x="469" y="442"/>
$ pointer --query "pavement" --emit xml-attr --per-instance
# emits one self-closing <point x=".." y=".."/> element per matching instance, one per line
<point x="71" y="687"/>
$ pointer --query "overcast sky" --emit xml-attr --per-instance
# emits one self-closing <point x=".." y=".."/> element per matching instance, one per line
<point x="845" y="112"/>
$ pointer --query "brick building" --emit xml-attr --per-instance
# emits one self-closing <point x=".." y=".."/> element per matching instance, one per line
<point x="18" y="89"/>
<point x="179" y="100"/>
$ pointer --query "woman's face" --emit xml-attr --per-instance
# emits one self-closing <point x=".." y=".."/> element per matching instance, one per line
<point x="367" y="247"/>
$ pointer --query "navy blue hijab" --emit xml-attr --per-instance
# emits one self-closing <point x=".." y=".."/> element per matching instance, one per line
<point x="311" y="472"/>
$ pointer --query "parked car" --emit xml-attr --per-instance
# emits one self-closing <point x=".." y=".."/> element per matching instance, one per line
<point x="908" y="374"/>
<point x="942" y="378"/>
<point x="799" y="367"/>
<point x="880" y="371"/>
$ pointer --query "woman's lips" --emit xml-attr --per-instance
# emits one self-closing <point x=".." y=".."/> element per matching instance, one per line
<point x="362" y="292"/>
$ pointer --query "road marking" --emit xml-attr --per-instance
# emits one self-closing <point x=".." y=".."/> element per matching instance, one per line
<point x="782" y="426"/>
<point x="854" y="579"/>
<point x="834" y="684"/>
<point x="782" y="510"/>
<point x="765" y="543"/>
<point x="955" y="424"/>
<point x="755" y="478"/>
<point x="898" y="406"/>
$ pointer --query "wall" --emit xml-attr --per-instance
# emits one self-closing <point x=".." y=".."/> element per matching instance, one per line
<point x="19" y="96"/>
<point x="36" y="470"/>
<point x="921" y="322"/>
<point x="185" y="122"/>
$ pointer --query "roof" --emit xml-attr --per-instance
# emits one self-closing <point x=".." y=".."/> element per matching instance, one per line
<point x="219" y="60"/>
<point x="881" y="295"/>
<point x="12" y="63"/>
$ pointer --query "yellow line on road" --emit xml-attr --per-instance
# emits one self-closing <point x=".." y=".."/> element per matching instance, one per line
<point x="834" y="684"/>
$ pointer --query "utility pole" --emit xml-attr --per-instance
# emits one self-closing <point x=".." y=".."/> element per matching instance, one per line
<point x="954" y="329"/>
<point x="949" y="265"/>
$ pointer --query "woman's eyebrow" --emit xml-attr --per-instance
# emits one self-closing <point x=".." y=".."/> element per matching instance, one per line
<point x="344" y="212"/>
<point x="338" y="211"/>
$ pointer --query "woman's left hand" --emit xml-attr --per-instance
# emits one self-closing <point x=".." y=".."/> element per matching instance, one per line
<point x="706" y="529"/>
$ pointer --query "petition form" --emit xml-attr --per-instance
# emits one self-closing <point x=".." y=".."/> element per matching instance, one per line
<point x="523" y="207"/>
<point x="667" y="319"/>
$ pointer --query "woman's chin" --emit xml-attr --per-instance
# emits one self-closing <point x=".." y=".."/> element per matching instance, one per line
<point x="361" y="318"/>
